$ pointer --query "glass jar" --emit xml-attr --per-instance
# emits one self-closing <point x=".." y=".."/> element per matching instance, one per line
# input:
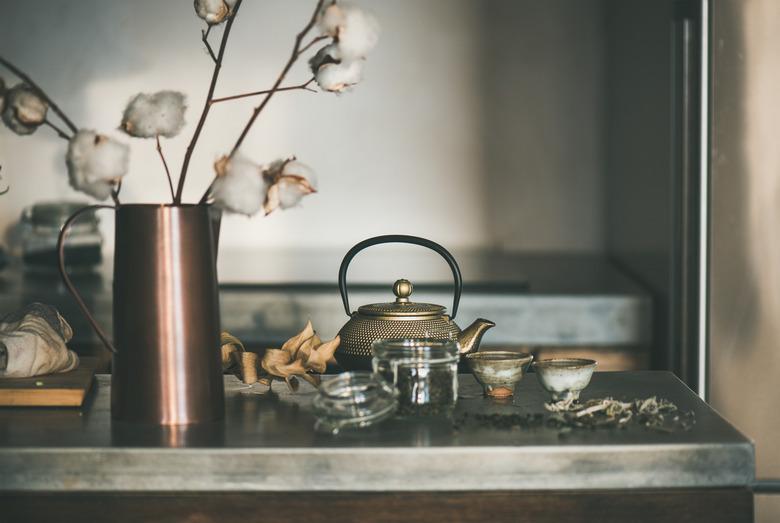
<point x="424" y="371"/>
<point x="353" y="400"/>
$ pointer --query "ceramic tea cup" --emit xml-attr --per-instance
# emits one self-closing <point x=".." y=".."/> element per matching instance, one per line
<point x="564" y="378"/>
<point x="498" y="371"/>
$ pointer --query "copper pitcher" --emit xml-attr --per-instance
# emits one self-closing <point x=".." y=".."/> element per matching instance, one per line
<point x="166" y="364"/>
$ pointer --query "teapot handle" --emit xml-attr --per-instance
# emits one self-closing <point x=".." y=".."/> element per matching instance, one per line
<point x="69" y="284"/>
<point x="400" y="238"/>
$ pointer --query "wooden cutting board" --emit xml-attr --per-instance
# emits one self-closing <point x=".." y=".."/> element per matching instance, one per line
<point x="53" y="390"/>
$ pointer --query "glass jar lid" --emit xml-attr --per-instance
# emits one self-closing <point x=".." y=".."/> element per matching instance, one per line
<point x="420" y="351"/>
<point x="402" y="306"/>
<point x="353" y="400"/>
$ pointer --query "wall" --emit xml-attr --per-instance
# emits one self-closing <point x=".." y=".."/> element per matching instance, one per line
<point x="479" y="124"/>
<point x="639" y="185"/>
<point x="745" y="252"/>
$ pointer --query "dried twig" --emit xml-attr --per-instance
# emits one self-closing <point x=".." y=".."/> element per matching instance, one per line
<point x="205" y="37"/>
<point x="296" y="52"/>
<point x="313" y="41"/>
<point x="165" y="164"/>
<point x="4" y="191"/>
<point x="115" y="192"/>
<point x="62" y="134"/>
<point x="26" y="79"/>
<point x="303" y="86"/>
<point x="207" y="106"/>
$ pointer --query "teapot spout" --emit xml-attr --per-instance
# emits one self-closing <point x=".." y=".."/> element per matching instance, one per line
<point x="471" y="336"/>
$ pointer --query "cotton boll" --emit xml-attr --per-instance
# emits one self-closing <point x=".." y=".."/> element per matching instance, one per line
<point x="24" y="110"/>
<point x="96" y="163"/>
<point x="150" y="115"/>
<point x="239" y="186"/>
<point x="214" y="11"/>
<point x="290" y="181"/>
<point x="294" y="168"/>
<point x="339" y="77"/>
<point x="327" y="55"/>
<point x="358" y="33"/>
<point x="330" y="19"/>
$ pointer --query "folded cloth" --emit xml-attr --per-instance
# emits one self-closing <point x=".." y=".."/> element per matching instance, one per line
<point x="34" y="339"/>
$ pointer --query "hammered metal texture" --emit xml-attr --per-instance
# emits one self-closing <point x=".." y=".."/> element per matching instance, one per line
<point x="361" y="331"/>
<point x="401" y="309"/>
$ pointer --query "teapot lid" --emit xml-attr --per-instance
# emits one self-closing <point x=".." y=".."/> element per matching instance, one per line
<point x="402" y="306"/>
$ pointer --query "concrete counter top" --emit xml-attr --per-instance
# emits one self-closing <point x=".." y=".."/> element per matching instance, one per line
<point x="267" y="443"/>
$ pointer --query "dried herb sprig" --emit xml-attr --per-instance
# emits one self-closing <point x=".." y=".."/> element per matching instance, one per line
<point x="652" y="413"/>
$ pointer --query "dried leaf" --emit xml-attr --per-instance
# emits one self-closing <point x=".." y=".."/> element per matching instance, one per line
<point x="306" y="347"/>
<point x="230" y="350"/>
<point x="319" y="357"/>
<point x="274" y="358"/>
<point x="292" y="345"/>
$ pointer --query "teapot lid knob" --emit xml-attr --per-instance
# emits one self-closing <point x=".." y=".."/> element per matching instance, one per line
<point x="402" y="289"/>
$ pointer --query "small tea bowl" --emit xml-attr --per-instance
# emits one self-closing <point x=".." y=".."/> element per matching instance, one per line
<point x="564" y="378"/>
<point x="498" y="371"/>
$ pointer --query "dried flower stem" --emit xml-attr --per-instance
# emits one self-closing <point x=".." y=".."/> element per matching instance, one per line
<point x="26" y="79"/>
<point x="304" y="86"/>
<point x="4" y="191"/>
<point x="296" y="52"/>
<point x="204" y="114"/>
<point x="115" y="192"/>
<point x="165" y="164"/>
<point x="62" y="134"/>
<point x="205" y="38"/>
<point x="313" y="41"/>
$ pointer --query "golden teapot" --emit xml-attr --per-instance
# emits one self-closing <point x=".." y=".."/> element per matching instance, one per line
<point x="401" y="318"/>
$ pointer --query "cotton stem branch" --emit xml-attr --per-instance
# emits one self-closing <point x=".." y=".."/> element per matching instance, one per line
<point x="167" y="171"/>
<point x="115" y="192"/>
<point x="62" y="134"/>
<point x="26" y="79"/>
<point x="205" y="37"/>
<point x="296" y="52"/>
<point x="313" y="41"/>
<point x="204" y="114"/>
<point x="303" y="86"/>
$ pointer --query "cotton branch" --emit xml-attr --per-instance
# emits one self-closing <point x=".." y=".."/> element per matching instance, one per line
<point x="313" y="41"/>
<point x="62" y="134"/>
<point x="4" y="191"/>
<point x="296" y="52"/>
<point x="204" y="114"/>
<point x="115" y="192"/>
<point x="165" y="164"/>
<point x="205" y="37"/>
<point x="303" y="86"/>
<point x="26" y="79"/>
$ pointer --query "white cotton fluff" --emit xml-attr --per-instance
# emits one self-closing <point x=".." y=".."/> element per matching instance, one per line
<point x="355" y="30"/>
<point x="96" y="162"/>
<point x="240" y="189"/>
<point x="24" y="110"/>
<point x="339" y="77"/>
<point x="358" y="34"/>
<point x="290" y="185"/>
<point x="150" y="115"/>
<point x="330" y="18"/>
<point x="214" y="11"/>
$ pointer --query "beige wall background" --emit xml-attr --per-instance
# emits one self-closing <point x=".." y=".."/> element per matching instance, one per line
<point x="479" y="124"/>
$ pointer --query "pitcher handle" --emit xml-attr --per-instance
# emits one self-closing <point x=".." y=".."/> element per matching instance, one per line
<point x="401" y="238"/>
<point x="66" y="279"/>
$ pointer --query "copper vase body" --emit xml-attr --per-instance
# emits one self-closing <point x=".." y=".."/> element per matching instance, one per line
<point x="166" y="363"/>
